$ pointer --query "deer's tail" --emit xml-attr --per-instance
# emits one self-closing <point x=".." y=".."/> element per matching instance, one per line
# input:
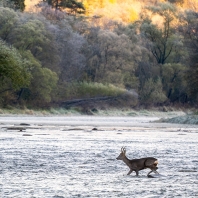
<point x="155" y="163"/>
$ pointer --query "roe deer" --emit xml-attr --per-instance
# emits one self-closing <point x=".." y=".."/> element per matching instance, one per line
<point x="138" y="164"/>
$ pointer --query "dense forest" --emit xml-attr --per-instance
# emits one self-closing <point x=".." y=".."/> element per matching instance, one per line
<point x="61" y="52"/>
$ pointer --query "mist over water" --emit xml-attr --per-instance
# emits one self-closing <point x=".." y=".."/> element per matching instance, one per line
<point x="60" y="157"/>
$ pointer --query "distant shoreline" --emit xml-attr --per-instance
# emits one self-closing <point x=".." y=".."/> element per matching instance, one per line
<point x="94" y="112"/>
<point x="174" y="116"/>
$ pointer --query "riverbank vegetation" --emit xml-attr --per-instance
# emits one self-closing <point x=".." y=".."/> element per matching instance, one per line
<point x="59" y="54"/>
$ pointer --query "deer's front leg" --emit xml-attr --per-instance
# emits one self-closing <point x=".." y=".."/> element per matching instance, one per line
<point x="156" y="172"/>
<point x="152" y="170"/>
<point x="130" y="172"/>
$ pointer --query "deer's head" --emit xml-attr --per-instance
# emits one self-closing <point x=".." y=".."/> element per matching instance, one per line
<point x="122" y="154"/>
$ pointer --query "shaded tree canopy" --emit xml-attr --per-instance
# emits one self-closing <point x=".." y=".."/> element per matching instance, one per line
<point x="14" y="4"/>
<point x="176" y="1"/>
<point x="161" y="41"/>
<point x="72" y="6"/>
<point x="190" y="31"/>
<point x="13" y="67"/>
<point x="19" y="4"/>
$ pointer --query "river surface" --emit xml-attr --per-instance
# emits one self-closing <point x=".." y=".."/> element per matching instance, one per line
<point x="63" y="157"/>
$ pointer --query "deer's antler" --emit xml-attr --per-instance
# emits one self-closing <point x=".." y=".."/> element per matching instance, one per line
<point x="123" y="150"/>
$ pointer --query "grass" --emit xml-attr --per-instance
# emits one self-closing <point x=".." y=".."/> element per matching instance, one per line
<point x="94" y="89"/>
<point x="77" y="111"/>
<point x="89" y="90"/>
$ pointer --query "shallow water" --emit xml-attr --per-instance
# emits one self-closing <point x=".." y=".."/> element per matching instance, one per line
<point x="60" y="157"/>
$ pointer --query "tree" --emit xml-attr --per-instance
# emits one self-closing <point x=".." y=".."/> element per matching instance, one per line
<point x="14" y="72"/>
<point x="70" y="51"/>
<point x="174" y="82"/>
<point x="112" y="58"/>
<point x="8" y="19"/>
<point x="146" y="65"/>
<point x="19" y="4"/>
<point x="13" y="67"/>
<point x="190" y="32"/>
<point x="162" y="40"/>
<point x="30" y="32"/>
<point x="176" y="1"/>
<point x="14" y="4"/>
<point x="40" y="90"/>
<point x="33" y="34"/>
<point x="166" y="45"/>
<point x="152" y="93"/>
<point x="72" y="6"/>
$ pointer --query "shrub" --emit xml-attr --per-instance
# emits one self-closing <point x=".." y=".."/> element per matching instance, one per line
<point x="88" y="90"/>
<point x="152" y="92"/>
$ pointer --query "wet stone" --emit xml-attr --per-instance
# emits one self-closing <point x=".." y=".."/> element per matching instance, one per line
<point x="24" y="124"/>
<point x="188" y="171"/>
<point x="16" y="128"/>
<point x="75" y="129"/>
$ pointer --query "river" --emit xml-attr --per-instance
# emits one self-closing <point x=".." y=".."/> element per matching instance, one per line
<point x="63" y="157"/>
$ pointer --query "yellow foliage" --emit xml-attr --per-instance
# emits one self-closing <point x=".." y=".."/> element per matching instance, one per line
<point x="112" y="1"/>
<point x="126" y="11"/>
<point x="120" y="10"/>
<point x="133" y="15"/>
<point x="191" y="4"/>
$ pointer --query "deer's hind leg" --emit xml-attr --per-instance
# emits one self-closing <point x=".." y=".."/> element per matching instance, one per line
<point x="149" y="173"/>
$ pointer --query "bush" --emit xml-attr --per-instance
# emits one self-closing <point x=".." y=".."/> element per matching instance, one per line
<point x="95" y="95"/>
<point x="88" y="90"/>
<point x="152" y="93"/>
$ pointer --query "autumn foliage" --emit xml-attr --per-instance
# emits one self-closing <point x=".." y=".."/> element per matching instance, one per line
<point x="144" y="53"/>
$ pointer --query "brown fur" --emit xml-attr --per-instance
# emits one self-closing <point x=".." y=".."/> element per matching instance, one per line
<point x="138" y="164"/>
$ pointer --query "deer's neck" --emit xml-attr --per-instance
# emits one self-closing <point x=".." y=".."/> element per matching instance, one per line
<point x="127" y="161"/>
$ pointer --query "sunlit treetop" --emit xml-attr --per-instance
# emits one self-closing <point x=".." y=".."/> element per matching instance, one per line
<point x="123" y="11"/>
<point x="120" y="10"/>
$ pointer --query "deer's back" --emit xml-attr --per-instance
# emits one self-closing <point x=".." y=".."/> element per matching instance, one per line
<point x="143" y="162"/>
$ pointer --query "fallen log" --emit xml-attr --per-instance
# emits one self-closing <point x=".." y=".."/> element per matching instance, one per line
<point x="85" y="100"/>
